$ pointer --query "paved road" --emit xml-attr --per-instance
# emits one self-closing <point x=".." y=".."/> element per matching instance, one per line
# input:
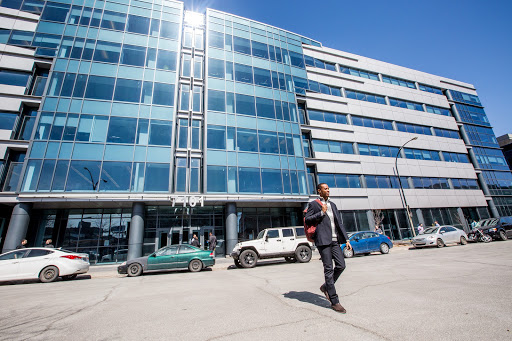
<point x="454" y="293"/>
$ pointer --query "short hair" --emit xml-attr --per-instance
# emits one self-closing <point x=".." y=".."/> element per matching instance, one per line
<point x="319" y="186"/>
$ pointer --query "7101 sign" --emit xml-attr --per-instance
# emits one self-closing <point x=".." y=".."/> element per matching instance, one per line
<point x="187" y="200"/>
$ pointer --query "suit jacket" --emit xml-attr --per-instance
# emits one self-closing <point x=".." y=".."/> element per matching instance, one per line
<point x="323" y="234"/>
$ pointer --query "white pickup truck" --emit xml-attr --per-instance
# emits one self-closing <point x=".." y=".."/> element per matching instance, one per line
<point x="287" y="242"/>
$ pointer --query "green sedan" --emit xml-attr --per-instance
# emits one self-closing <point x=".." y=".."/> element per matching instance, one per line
<point x="169" y="258"/>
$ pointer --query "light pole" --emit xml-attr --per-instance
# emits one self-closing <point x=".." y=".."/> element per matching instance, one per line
<point x="404" y="202"/>
<point x="94" y="184"/>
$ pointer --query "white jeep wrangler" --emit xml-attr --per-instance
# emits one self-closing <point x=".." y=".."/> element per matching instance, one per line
<point x="287" y="242"/>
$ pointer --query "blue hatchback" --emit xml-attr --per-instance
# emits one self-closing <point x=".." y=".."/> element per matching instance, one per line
<point x="366" y="242"/>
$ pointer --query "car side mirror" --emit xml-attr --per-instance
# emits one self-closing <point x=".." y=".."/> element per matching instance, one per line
<point x="153" y="255"/>
<point x="266" y="238"/>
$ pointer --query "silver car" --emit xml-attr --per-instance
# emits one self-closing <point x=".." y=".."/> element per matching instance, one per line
<point x="440" y="236"/>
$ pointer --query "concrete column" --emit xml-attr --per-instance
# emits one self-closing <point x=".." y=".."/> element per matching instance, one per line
<point x="136" y="237"/>
<point x="371" y="219"/>
<point x="18" y="225"/>
<point x="492" y="207"/>
<point x="231" y="227"/>
<point x="463" y="219"/>
<point x="419" y="214"/>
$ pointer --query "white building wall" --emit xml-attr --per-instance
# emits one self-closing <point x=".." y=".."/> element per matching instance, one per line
<point x="370" y="198"/>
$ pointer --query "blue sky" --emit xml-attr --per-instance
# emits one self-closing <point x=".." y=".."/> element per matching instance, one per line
<point x="468" y="40"/>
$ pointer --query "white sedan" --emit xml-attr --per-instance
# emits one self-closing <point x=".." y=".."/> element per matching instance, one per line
<point x="43" y="263"/>
<point x="440" y="236"/>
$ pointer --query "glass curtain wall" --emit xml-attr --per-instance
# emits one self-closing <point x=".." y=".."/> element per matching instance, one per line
<point x="107" y="116"/>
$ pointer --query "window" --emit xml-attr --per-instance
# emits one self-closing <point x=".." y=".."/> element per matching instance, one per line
<point x="107" y="52"/>
<point x="157" y="178"/>
<point x="243" y="73"/>
<point x="38" y="253"/>
<point x="163" y="94"/>
<point x="216" y="68"/>
<point x="160" y="133"/>
<point x="166" y="60"/>
<point x="216" y="136"/>
<point x="241" y="45"/>
<point x="372" y="123"/>
<point x="113" y="20"/>
<point x="186" y="249"/>
<point x="168" y="251"/>
<point x="122" y="130"/>
<point x="169" y="30"/>
<point x="272" y="234"/>
<point x="259" y="50"/>
<point x="359" y="73"/>
<point x="7" y="120"/>
<point x="287" y="232"/>
<point x="361" y="96"/>
<point x="128" y="90"/>
<point x="137" y="24"/>
<point x="431" y="89"/>
<point x="99" y="88"/>
<point x="438" y="110"/>
<point x="55" y="12"/>
<point x="133" y="55"/>
<point x="398" y="81"/>
<point x="405" y="104"/>
<point x="15" y="78"/>
<point x="13" y="255"/>
<point x="216" y="179"/>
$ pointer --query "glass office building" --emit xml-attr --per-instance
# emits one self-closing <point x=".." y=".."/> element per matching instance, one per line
<point x="130" y="125"/>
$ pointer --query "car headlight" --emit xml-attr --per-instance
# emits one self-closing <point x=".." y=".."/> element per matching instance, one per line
<point x="493" y="230"/>
<point x="123" y="263"/>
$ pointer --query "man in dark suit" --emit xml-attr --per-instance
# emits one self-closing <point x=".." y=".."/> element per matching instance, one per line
<point x="329" y="234"/>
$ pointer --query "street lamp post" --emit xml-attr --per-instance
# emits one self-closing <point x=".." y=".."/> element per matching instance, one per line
<point x="94" y="184"/>
<point x="404" y="202"/>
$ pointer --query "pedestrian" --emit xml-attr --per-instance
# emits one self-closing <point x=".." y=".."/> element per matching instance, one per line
<point x="436" y="224"/>
<point x="49" y="244"/>
<point x="420" y="228"/>
<point x="378" y="229"/>
<point x="328" y="236"/>
<point x="474" y="224"/>
<point x="195" y="241"/>
<point x="22" y="244"/>
<point x="212" y="242"/>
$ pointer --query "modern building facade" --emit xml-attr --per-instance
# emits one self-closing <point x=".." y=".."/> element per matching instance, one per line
<point x="130" y="125"/>
<point x="505" y="142"/>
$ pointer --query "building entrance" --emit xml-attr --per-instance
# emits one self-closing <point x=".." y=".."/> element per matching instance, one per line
<point x="183" y="235"/>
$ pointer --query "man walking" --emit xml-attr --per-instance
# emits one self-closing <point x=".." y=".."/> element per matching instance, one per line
<point x="195" y="241"/>
<point x="212" y="242"/>
<point x="329" y="234"/>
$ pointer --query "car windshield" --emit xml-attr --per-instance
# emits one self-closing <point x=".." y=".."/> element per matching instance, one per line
<point x="430" y="230"/>
<point x="260" y="235"/>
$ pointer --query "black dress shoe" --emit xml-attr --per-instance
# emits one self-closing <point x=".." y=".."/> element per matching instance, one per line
<point x="338" y="308"/>
<point x="322" y="289"/>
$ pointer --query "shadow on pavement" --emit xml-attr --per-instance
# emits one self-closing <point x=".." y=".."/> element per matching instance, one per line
<point x="308" y="297"/>
<point x="260" y="264"/>
<point x="35" y="281"/>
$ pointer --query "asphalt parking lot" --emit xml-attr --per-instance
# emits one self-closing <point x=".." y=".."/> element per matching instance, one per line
<point x="452" y="293"/>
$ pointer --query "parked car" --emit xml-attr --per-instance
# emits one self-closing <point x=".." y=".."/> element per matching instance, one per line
<point x="497" y="228"/>
<point x="169" y="258"/>
<point x="118" y="256"/>
<point x="366" y="242"/>
<point x="43" y="263"/>
<point x="287" y="242"/>
<point x="440" y="236"/>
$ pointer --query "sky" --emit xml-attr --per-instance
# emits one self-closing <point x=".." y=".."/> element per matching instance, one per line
<point x="466" y="40"/>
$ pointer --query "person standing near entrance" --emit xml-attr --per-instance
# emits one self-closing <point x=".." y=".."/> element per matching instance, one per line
<point x="49" y="243"/>
<point x="212" y="242"/>
<point x="22" y="245"/>
<point x="195" y="241"/>
<point x="420" y="228"/>
<point x="329" y="234"/>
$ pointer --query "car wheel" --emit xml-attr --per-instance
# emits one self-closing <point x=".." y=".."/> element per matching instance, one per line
<point x="248" y="259"/>
<point x="503" y="235"/>
<point x="463" y="240"/>
<point x="303" y="254"/>
<point x="384" y="248"/>
<point x="134" y="270"/>
<point x="49" y="274"/>
<point x="69" y="277"/>
<point x="348" y="253"/>
<point x="440" y="242"/>
<point x="290" y="259"/>
<point x="195" y="265"/>
<point x="237" y="264"/>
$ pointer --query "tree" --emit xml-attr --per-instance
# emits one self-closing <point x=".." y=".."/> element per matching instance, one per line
<point x="378" y="217"/>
